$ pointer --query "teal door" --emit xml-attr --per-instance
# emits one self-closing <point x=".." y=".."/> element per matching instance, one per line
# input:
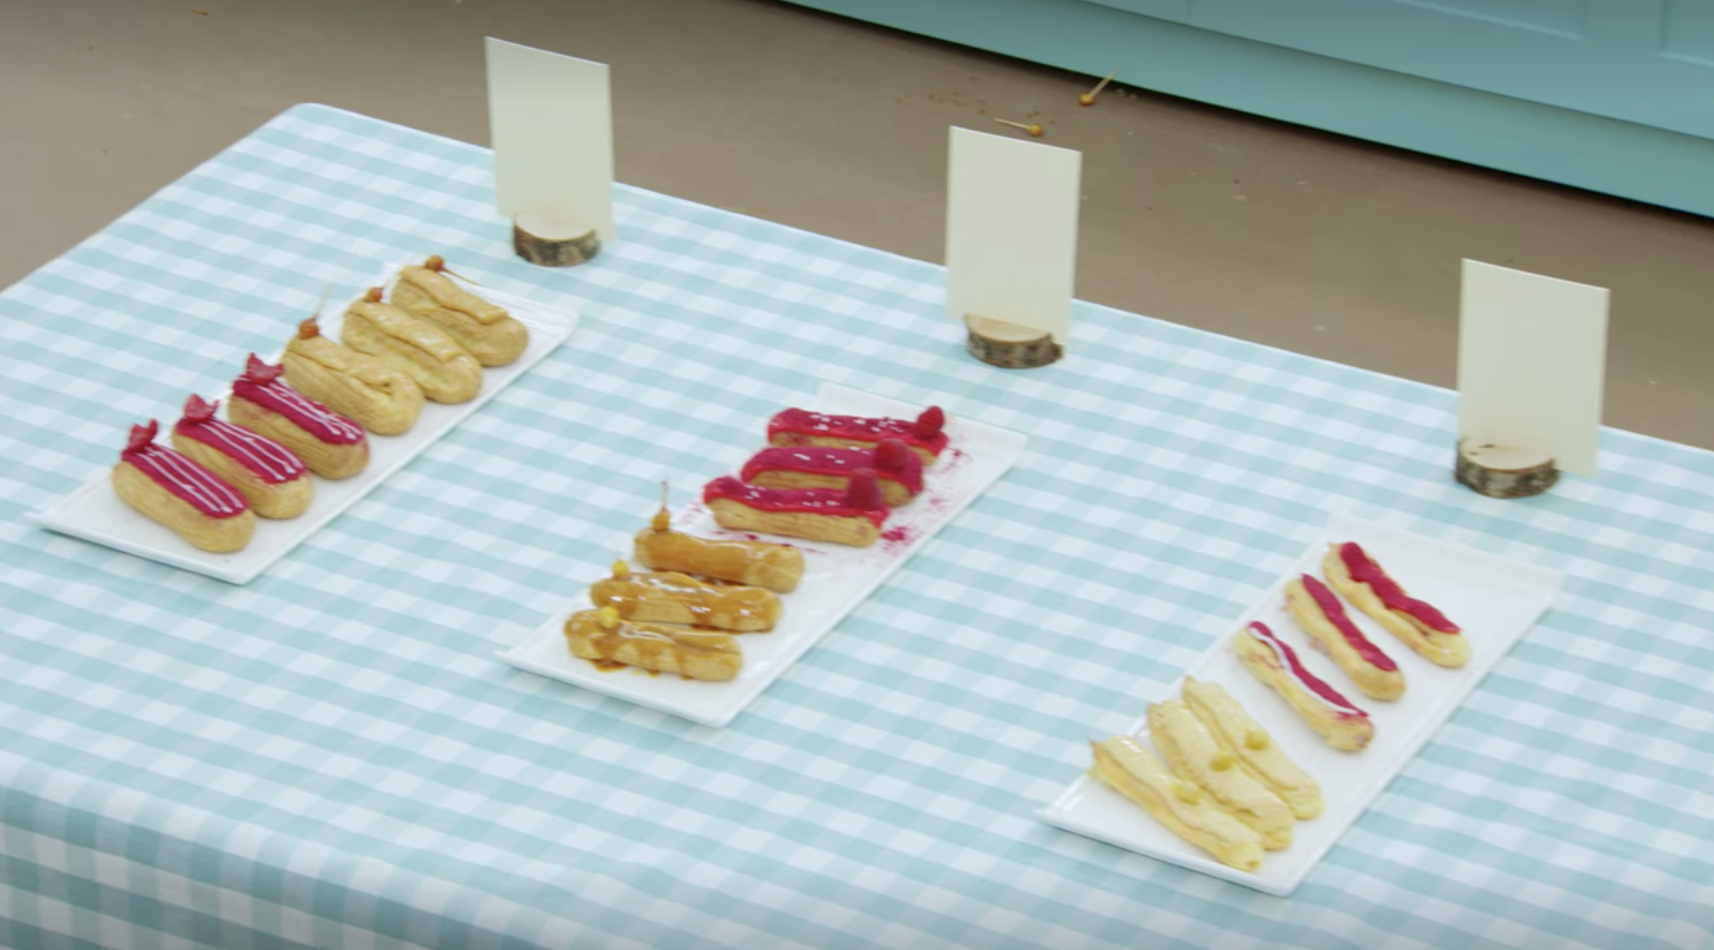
<point x="1644" y="61"/>
<point x="1612" y="95"/>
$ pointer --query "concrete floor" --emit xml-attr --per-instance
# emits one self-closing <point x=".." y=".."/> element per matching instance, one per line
<point x="1222" y="221"/>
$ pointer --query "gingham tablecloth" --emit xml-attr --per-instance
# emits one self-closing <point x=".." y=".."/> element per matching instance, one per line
<point x="332" y="756"/>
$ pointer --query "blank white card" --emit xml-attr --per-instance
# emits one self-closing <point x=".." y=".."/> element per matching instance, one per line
<point x="1011" y="231"/>
<point x="1532" y="354"/>
<point x="550" y="122"/>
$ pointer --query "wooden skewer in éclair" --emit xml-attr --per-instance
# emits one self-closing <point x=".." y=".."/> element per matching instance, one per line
<point x="1088" y="98"/>
<point x="437" y="264"/>
<point x="1032" y="128"/>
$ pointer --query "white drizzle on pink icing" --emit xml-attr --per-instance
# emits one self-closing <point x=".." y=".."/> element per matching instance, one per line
<point x="260" y="383"/>
<point x="269" y="460"/>
<point x="341" y="429"/>
<point x="187" y="480"/>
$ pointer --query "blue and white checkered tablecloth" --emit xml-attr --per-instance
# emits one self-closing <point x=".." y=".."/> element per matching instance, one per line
<point x="331" y="755"/>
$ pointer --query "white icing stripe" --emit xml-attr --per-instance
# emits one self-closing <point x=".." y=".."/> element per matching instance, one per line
<point x="265" y="455"/>
<point x="1267" y="637"/>
<point x="170" y="466"/>
<point x="335" y="423"/>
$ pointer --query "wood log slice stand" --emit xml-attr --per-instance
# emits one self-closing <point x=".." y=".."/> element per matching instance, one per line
<point x="1008" y="345"/>
<point x="550" y="243"/>
<point x="1500" y="471"/>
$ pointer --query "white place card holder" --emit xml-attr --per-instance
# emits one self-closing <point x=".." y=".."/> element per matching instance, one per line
<point x="550" y="122"/>
<point x="1011" y="245"/>
<point x="1531" y="367"/>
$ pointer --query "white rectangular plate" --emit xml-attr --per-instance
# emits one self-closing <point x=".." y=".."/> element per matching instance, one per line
<point x="1494" y="599"/>
<point x="836" y="578"/>
<point x="95" y="513"/>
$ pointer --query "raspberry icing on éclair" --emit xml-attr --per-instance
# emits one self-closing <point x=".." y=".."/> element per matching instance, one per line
<point x="181" y="476"/>
<point x="1364" y="570"/>
<point x="927" y="431"/>
<point x="261" y="384"/>
<point x="816" y="501"/>
<point x="1335" y="613"/>
<point x="1288" y="661"/>
<point x="891" y="459"/>
<point x="261" y="456"/>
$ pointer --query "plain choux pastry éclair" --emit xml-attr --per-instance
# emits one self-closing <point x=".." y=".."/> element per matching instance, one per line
<point x="1193" y="754"/>
<point x="1256" y="751"/>
<point x="381" y="398"/>
<point x="491" y="334"/>
<point x="1126" y="766"/>
<point x="428" y="354"/>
